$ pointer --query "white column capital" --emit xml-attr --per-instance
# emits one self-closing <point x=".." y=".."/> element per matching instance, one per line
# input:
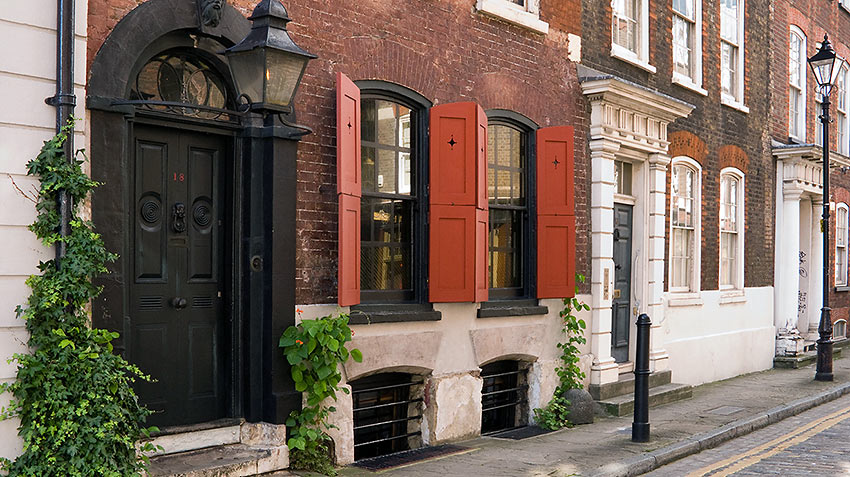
<point x="603" y="148"/>
<point x="659" y="161"/>
<point x="791" y="194"/>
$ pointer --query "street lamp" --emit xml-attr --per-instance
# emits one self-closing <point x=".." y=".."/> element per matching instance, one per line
<point x="825" y="66"/>
<point x="267" y="65"/>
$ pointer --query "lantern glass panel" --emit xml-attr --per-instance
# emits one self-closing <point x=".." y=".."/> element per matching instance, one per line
<point x="283" y="73"/>
<point x="247" y="68"/>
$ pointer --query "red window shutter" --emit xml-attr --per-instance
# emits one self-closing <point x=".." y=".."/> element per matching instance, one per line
<point x="348" y="188"/>
<point x="482" y="229"/>
<point x="556" y="256"/>
<point x="458" y="155"/>
<point x="458" y="260"/>
<point x="347" y="136"/>
<point x="348" y="273"/>
<point x="555" y="167"/>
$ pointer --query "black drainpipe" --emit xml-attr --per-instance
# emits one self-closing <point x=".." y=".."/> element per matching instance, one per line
<point x="64" y="101"/>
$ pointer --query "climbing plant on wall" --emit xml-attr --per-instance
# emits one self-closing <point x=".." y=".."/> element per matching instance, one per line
<point x="78" y="413"/>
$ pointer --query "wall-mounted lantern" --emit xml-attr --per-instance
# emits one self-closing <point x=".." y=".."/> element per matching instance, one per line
<point x="267" y="65"/>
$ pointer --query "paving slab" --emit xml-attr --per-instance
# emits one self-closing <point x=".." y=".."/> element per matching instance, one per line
<point x="716" y="413"/>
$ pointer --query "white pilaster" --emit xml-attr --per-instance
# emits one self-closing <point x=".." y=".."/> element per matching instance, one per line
<point x="788" y="340"/>
<point x="658" y="357"/>
<point x="806" y="272"/>
<point x="815" y="298"/>
<point x="602" y="152"/>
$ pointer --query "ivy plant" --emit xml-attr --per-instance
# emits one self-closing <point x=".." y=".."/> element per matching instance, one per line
<point x="314" y="350"/>
<point x="78" y="413"/>
<point x="555" y="414"/>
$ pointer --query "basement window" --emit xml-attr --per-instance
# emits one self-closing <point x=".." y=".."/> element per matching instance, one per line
<point x="387" y="414"/>
<point x="839" y="329"/>
<point x="504" y="396"/>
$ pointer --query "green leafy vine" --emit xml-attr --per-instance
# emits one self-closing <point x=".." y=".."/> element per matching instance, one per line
<point x="78" y="413"/>
<point x="555" y="414"/>
<point x="314" y="350"/>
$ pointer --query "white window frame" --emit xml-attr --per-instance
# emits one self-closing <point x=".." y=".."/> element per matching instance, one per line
<point x="800" y="87"/>
<point x="738" y="272"/>
<point x="735" y="100"/>
<point x="694" y="278"/>
<point x="842" y="103"/>
<point x="526" y="15"/>
<point x="694" y="81"/>
<point x="639" y="58"/>
<point x="842" y="325"/>
<point x="841" y="245"/>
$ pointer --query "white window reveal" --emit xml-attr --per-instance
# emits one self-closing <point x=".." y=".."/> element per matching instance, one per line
<point x="687" y="44"/>
<point x="630" y="32"/>
<point x="732" y="53"/>
<point x="524" y="13"/>
<point x="731" y="229"/>
<point x="841" y="245"/>
<point x="841" y="123"/>
<point x="684" y="226"/>
<point x="797" y="84"/>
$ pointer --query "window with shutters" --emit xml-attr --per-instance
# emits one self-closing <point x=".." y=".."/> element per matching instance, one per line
<point x="841" y="244"/>
<point x="732" y="53"/>
<point x="731" y="229"/>
<point x="390" y="217"/>
<point x="508" y="150"/>
<point x="687" y="44"/>
<point x="797" y="84"/>
<point x="630" y="32"/>
<point x="684" y="225"/>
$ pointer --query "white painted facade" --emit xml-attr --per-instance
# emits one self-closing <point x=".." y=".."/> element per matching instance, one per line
<point x="701" y="336"/>
<point x="27" y="73"/>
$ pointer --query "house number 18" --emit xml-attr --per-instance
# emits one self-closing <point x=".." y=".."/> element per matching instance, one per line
<point x="179" y="177"/>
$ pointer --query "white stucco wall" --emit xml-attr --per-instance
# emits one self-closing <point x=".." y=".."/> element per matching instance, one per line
<point x="716" y="341"/>
<point x="27" y="72"/>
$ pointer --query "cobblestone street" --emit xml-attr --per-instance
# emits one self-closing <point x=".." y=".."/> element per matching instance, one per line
<point x="812" y="443"/>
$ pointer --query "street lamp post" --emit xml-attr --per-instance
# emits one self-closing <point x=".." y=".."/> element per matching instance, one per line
<point x="825" y="66"/>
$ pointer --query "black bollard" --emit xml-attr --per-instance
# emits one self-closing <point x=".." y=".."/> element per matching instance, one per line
<point x="640" y="426"/>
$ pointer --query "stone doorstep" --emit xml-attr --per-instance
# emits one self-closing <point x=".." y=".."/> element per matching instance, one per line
<point x="626" y="385"/>
<point x="625" y="404"/>
<point x="234" y="460"/>
<point x="805" y="359"/>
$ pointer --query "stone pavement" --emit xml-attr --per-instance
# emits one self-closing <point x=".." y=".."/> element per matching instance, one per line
<point x="717" y="412"/>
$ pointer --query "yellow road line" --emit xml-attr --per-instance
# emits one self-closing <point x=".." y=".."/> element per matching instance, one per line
<point x="756" y="454"/>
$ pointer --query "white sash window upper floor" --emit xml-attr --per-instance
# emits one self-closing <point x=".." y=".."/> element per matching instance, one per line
<point x="687" y="44"/>
<point x="732" y="54"/>
<point x="630" y="32"/>
<point x="524" y="13"/>
<point x="797" y="84"/>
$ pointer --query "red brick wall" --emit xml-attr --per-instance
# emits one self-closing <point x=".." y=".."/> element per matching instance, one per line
<point x="717" y="127"/>
<point x="444" y="50"/>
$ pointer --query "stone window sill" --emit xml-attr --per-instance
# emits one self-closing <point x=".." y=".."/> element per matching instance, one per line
<point x="685" y="299"/>
<point x="371" y="314"/>
<point x="511" y="13"/>
<point x="631" y="58"/>
<point x="493" y="309"/>
<point x="842" y="288"/>
<point x="732" y="296"/>
<point x="733" y="103"/>
<point x="687" y="83"/>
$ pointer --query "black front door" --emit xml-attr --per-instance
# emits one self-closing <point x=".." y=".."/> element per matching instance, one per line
<point x="176" y="303"/>
<point x="622" y="282"/>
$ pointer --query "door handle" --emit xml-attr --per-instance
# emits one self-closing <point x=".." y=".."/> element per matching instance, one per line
<point x="179" y="302"/>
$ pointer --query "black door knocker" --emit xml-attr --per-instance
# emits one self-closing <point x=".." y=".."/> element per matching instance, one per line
<point x="178" y="217"/>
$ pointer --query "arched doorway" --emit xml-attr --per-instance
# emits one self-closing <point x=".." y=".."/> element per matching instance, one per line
<point x="191" y="190"/>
